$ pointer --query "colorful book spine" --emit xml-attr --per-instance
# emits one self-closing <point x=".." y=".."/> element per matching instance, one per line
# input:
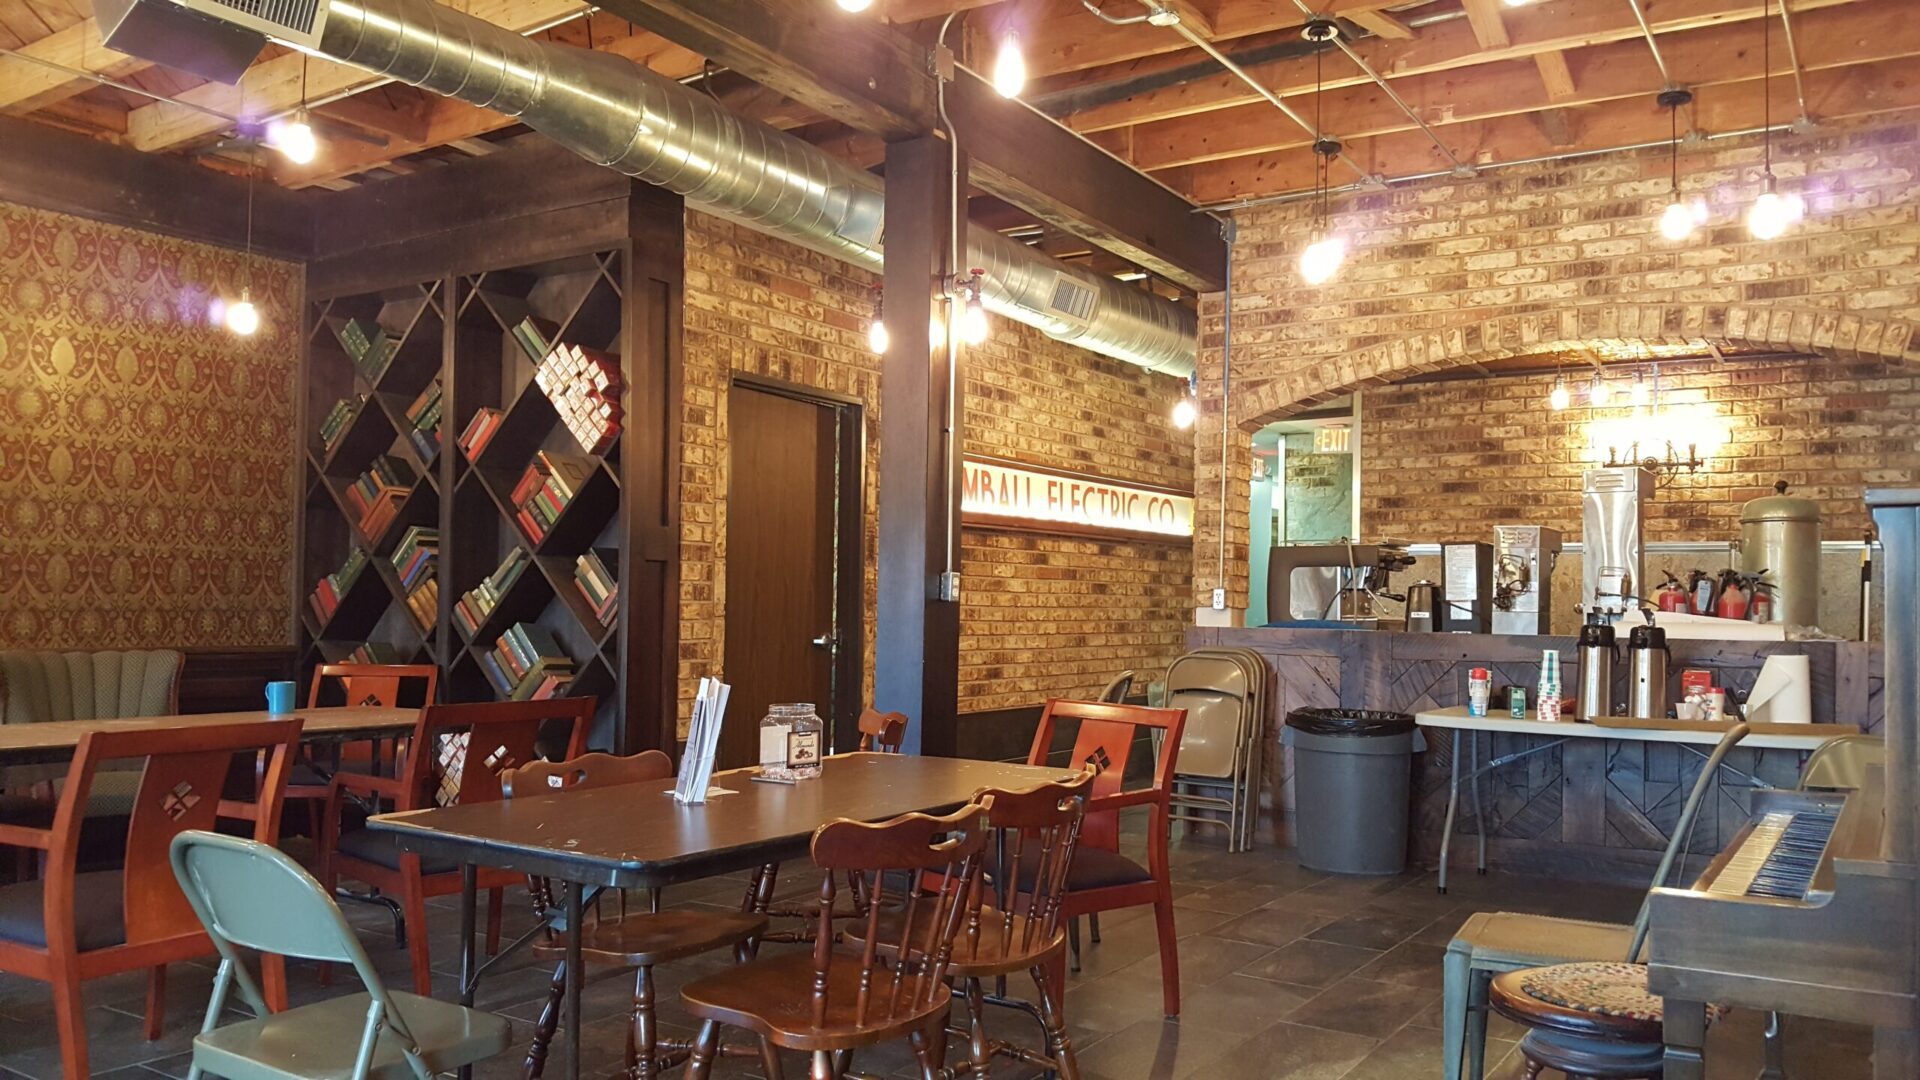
<point x="479" y="431"/>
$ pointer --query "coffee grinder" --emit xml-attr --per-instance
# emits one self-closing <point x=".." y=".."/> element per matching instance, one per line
<point x="1523" y="560"/>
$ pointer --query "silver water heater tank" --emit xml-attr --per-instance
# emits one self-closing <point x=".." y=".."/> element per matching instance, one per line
<point x="1780" y="534"/>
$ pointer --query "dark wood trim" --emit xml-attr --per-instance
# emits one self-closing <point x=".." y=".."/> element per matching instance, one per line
<point x="232" y="679"/>
<point x="55" y="170"/>
<point x="875" y="78"/>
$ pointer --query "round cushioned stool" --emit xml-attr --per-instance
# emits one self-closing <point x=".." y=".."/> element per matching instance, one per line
<point x="1592" y="1021"/>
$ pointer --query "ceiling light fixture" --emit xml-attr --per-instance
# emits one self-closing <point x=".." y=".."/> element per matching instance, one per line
<point x="294" y="137"/>
<point x="1772" y="214"/>
<point x="1185" y="412"/>
<point x="1010" y="67"/>
<point x="1518" y="3"/>
<point x="877" y="337"/>
<point x="974" y="327"/>
<point x="1599" y="392"/>
<point x="241" y="316"/>
<point x="855" y="6"/>
<point x="1678" y="220"/>
<point x="1159" y="14"/>
<point x="1561" y="397"/>
<point x="1642" y="392"/>
<point x="1325" y="252"/>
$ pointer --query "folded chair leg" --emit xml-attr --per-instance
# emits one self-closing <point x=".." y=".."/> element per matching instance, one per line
<point x="156" y="1001"/>
<point x="544" y="1027"/>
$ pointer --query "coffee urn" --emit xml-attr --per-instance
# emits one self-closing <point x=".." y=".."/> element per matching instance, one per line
<point x="1647" y="658"/>
<point x="1596" y="669"/>
<point x="1780" y="535"/>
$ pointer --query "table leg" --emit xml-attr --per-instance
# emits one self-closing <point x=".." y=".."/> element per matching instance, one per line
<point x="575" y="916"/>
<point x="1453" y="807"/>
<point x="469" y="898"/>
<point x="1473" y="777"/>
<point x="1686" y="1038"/>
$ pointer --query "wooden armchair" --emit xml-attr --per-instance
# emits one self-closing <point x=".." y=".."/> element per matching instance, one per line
<point x="456" y="755"/>
<point x="1100" y="877"/>
<point x="75" y="926"/>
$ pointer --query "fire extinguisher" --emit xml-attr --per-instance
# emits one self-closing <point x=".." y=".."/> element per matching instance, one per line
<point x="1733" y="596"/>
<point x="1700" y="589"/>
<point x="1760" y="608"/>
<point x="1672" y="595"/>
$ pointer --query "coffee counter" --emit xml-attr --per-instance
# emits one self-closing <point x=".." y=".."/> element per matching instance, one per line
<point x="1639" y="785"/>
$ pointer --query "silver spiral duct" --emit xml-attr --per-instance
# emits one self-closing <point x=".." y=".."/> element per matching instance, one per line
<point x="621" y="115"/>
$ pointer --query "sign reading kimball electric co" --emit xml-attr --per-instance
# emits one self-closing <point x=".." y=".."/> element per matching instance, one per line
<point x="1003" y="493"/>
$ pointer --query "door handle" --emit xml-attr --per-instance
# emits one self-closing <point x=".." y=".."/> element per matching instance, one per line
<point x="826" y="641"/>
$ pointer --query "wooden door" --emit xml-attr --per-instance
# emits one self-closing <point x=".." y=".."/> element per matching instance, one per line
<point x="782" y="512"/>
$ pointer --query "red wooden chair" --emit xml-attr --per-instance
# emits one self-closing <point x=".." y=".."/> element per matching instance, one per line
<point x="456" y="755"/>
<point x="882" y="732"/>
<point x="362" y="686"/>
<point x="1101" y="878"/>
<point x="73" y="926"/>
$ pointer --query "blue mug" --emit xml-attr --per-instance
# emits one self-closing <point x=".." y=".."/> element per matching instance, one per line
<point x="279" y="698"/>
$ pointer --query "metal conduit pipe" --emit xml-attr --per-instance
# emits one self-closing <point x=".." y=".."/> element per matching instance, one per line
<point x="1793" y="58"/>
<point x="621" y="115"/>
<point x="1392" y="94"/>
<point x="1653" y="46"/>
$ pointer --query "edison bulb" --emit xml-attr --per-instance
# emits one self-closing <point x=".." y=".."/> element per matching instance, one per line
<point x="973" y="323"/>
<point x="1600" y="393"/>
<point x="241" y="316"/>
<point x="854" y="5"/>
<point x="1518" y="3"/>
<point x="1773" y="214"/>
<point x="1676" y="221"/>
<point x="1642" y="393"/>
<point x="1561" y="396"/>
<point x="1322" y="258"/>
<point x="1010" y="68"/>
<point x="294" y="139"/>
<point x="1184" y="413"/>
<point x="877" y="337"/>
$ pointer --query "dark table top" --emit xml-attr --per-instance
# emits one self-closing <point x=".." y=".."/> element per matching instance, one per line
<point x="57" y="740"/>
<point x="637" y="836"/>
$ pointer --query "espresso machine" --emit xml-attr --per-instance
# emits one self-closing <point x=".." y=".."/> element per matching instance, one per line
<point x="1612" y="511"/>
<point x="1523" y="560"/>
<point x="1331" y="582"/>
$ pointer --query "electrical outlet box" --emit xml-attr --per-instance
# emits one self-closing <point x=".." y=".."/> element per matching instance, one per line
<point x="1219" y="599"/>
<point x="950" y="587"/>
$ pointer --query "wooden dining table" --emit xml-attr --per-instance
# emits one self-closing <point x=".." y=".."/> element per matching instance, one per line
<point x="56" y="740"/>
<point x="638" y="836"/>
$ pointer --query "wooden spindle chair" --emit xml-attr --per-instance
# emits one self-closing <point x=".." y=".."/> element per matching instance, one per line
<point x="623" y="939"/>
<point x="1019" y="927"/>
<point x="456" y="754"/>
<point x="74" y="925"/>
<point x="880" y="733"/>
<point x="832" y="1001"/>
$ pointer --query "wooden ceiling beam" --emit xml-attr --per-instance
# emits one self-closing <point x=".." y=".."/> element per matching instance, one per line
<point x="1489" y="29"/>
<point x="1832" y="39"/>
<point x="874" y="78"/>
<point x="1833" y="94"/>
<point x="26" y="86"/>
<point x="1555" y="76"/>
<point x="1381" y="25"/>
<point x="275" y="86"/>
<point x="1440" y="47"/>
<point x="1066" y="37"/>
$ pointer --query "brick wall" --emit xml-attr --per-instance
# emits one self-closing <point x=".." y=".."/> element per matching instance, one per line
<point x="1550" y="257"/>
<point x="1828" y="427"/>
<point x="1040" y="615"/>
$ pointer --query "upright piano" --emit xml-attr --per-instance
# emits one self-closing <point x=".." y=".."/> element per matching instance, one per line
<point x="1812" y="910"/>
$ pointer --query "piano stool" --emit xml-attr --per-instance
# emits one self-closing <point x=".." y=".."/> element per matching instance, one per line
<point x="1494" y="942"/>
<point x="1592" y="1021"/>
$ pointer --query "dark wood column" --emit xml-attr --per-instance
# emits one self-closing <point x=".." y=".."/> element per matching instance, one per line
<point x="917" y="650"/>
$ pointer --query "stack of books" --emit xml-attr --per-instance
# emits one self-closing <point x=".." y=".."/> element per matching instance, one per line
<point x="326" y="595"/>
<point x="479" y="432"/>
<point x="600" y="587"/>
<point x="367" y="345"/>
<point x="413" y="559"/>
<point x="424" y="602"/>
<point x="423" y="420"/>
<point x="545" y="489"/>
<point x="372" y="652"/>
<point x="479" y="601"/>
<point x="527" y="664"/>
<point x="583" y="384"/>
<point x="337" y="421"/>
<point x="376" y="495"/>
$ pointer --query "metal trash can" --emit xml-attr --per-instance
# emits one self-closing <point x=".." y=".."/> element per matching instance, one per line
<point x="1352" y="772"/>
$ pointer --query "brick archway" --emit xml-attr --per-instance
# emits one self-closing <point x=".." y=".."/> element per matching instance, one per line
<point x="1753" y="326"/>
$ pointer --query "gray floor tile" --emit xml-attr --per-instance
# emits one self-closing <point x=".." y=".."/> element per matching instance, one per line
<point x="1290" y="1051"/>
<point x="1311" y="963"/>
<point x="1370" y="930"/>
<point x="1364" y="1007"/>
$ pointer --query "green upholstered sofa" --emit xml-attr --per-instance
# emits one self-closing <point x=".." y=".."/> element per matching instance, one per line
<point x="40" y="686"/>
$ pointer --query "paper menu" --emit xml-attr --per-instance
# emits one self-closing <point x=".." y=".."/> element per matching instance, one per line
<point x="703" y="741"/>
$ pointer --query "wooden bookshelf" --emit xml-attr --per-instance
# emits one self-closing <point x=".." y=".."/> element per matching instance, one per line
<point x="612" y="288"/>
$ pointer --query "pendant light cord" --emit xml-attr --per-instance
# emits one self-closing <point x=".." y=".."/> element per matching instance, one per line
<point x="253" y="167"/>
<point x="1766" y="87"/>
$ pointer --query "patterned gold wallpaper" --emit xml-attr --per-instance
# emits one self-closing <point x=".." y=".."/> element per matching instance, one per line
<point x="146" y="454"/>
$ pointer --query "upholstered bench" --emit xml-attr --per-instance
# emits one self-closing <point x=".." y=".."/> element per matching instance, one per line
<point x="36" y="687"/>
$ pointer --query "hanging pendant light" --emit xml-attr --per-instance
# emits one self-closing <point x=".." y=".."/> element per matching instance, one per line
<point x="1599" y="393"/>
<point x="1325" y="252"/>
<point x="1772" y="214"/>
<point x="1561" y="397"/>
<point x="1009" y="67"/>
<point x="878" y="339"/>
<point x="240" y="316"/>
<point x="1187" y="409"/>
<point x="294" y="137"/>
<point x="1680" y="218"/>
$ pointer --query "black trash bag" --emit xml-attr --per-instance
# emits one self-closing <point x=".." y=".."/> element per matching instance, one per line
<point x="1350" y="723"/>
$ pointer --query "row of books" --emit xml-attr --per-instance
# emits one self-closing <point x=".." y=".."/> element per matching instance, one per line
<point x="549" y="484"/>
<point x="373" y="652"/>
<point x="424" y="602"/>
<point x="583" y="384"/>
<point x="375" y="496"/>
<point x="478" y="602"/>
<point x="325" y="598"/>
<point x="527" y="664"/>
<point x="413" y="557"/>
<point x="367" y="345"/>
<point x="598" y="585"/>
<point x="479" y="432"/>
<point x="423" y="419"/>
<point x="339" y="418"/>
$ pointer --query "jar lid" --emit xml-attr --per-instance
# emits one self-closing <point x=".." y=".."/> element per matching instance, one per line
<point x="1779" y="506"/>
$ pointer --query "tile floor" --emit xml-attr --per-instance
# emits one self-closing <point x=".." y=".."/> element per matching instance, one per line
<point x="1286" y="973"/>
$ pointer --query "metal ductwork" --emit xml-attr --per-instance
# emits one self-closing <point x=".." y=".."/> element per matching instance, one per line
<point x="625" y="117"/>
